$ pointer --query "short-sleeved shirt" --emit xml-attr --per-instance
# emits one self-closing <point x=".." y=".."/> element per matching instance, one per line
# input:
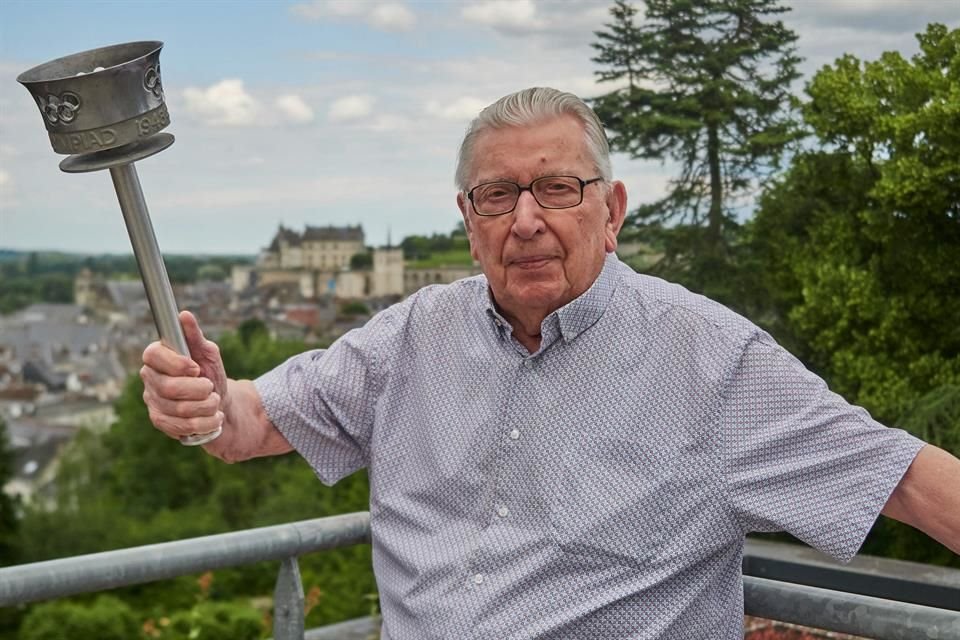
<point x="600" y="487"/>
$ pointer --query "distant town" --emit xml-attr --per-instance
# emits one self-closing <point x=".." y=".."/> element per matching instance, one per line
<point x="62" y="365"/>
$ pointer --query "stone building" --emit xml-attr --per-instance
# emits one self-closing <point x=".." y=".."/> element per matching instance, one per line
<point x="316" y="264"/>
<point x="317" y="248"/>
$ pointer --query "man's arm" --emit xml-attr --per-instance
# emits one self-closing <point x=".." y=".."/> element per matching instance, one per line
<point x="928" y="496"/>
<point x="186" y="395"/>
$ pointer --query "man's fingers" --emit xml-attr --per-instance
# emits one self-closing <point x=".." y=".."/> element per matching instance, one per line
<point x="183" y="408"/>
<point x="178" y="427"/>
<point x="165" y="360"/>
<point x="175" y="387"/>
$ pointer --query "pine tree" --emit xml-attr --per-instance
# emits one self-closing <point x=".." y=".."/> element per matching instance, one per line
<point x="705" y="83"/>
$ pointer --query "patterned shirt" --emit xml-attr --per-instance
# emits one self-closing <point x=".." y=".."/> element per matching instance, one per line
<point x="600" y="487"/>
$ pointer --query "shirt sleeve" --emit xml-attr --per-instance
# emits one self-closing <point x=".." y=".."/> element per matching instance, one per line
<point x="324" y="401"/>
<point x="799" y="458"/>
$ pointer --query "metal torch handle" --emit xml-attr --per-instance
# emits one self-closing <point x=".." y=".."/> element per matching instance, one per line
<point x="152" y="270"/>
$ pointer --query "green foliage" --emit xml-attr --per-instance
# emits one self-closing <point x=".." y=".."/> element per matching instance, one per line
<point x="934" y="418"/>
<point x="354" y="308"/>
<point x="361" y="261"/>
<point x="708" y="86"/>
<point x="26" y="278"/>
<point x="212" y="621"/>
<point x="17" y="292"/>
<point x="131" y="486"/>
<point x="453" y="258"/>
<point x="211" y="272"/>
<point x="107" y="618"/>
<point x="252" y="351"/>
<point x="861" y="245"/>
<point x="422" y="248"/>
<point x="8" y="506"/>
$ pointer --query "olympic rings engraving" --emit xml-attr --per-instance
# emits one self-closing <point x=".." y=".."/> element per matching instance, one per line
<point x="151" y="81"/>
<point x="60" y="109"/>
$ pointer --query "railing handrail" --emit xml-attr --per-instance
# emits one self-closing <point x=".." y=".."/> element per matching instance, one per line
<point x="149" y="563"/>
<point x="915" y="582"/>
<point x="817" y="607"/>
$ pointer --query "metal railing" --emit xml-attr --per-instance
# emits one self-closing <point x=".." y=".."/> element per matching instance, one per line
<point x="780" y="599"/>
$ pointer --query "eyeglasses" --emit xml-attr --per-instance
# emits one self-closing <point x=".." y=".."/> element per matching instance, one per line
<point x="550" y="192"/>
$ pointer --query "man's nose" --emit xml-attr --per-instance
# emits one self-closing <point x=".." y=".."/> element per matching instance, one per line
<point x="527" y="217"/>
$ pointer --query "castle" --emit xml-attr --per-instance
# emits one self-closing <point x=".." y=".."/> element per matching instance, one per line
<point x="318" y="263"/>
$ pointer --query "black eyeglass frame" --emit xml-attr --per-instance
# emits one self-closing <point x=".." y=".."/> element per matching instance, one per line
<point x="529" y="187"/>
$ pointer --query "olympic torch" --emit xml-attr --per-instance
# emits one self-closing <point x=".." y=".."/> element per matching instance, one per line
<point x="105" y="109"/>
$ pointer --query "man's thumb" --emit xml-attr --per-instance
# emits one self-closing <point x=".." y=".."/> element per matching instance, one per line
<point x="192" y="334"/>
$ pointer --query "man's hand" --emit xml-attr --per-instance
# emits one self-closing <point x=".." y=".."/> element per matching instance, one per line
<point x="185" y="394"/>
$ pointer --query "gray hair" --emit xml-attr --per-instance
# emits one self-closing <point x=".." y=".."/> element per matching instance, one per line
<point x="528" y="107"/>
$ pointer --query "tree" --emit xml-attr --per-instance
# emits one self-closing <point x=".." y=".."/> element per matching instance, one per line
<point x="361" y="261"/>
<point x="867" y="233"/>
<point x="706" y="84"/>
<point x="8" y="514"/>
<point x="131" y="486"/>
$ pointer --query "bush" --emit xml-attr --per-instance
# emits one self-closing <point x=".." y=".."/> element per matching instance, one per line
<point x="211" y="621"/>
<point x="107" y="619"/>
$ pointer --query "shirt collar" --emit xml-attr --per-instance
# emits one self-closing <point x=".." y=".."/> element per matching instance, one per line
<point x="579" y="314"/>
<point x="582" y="312"/>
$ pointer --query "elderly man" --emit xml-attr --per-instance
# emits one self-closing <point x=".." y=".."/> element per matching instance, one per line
<point x="562" y="448"/>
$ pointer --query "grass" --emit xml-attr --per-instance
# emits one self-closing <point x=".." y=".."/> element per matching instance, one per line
<point x="453" y="258"/>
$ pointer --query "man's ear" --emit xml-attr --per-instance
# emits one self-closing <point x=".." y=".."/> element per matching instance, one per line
<point x="616" y="214"/>
<point x="464" y="207"/>
<point x="464" y="210"/>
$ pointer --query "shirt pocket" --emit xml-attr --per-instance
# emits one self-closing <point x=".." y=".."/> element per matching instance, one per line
<point x="612" y="499"/>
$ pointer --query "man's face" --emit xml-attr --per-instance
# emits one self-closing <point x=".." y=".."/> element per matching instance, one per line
<point x="538" y="259"/>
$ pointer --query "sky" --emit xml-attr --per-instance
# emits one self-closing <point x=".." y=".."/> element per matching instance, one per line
<point x="330" y="112"/>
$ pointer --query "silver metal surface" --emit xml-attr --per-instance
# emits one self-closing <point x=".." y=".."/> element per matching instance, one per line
<point x="821" y="608"/>
<point x="106" y="106"/>
<point x="127" y="154"/>
<point x="101" y="98"/>
<point x="288" y="602"/>
<point x="138" y="565"/>
<point x="152" y="271"/>
<point x="925" y="584"/>
<point x="847" y="612"/>
<point x="149" y="260"/>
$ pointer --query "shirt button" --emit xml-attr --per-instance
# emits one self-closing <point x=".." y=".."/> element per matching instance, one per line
<point x="528" y="363"/>
<point x="478" y="579"/>
<point x="503" y="512"/>
<point x="515" y="434"/>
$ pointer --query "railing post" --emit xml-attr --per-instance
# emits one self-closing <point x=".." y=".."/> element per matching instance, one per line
<point x="288" y="621"/>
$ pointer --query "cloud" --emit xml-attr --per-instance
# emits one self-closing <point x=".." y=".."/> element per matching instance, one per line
<point x="392" y="17"/>
<point x="388" y="122"/>
<point x="225" y="103"/>
<point x="383" y="16"/>
<point x="352" y="107"/>
<point x="8" y="198"/>
<point x="512" y="16"/>
<point x="552" y="23"/>
<point x="464" y="108"/>
<point x="889" y="16"/>
<point x="294" y="109"/>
